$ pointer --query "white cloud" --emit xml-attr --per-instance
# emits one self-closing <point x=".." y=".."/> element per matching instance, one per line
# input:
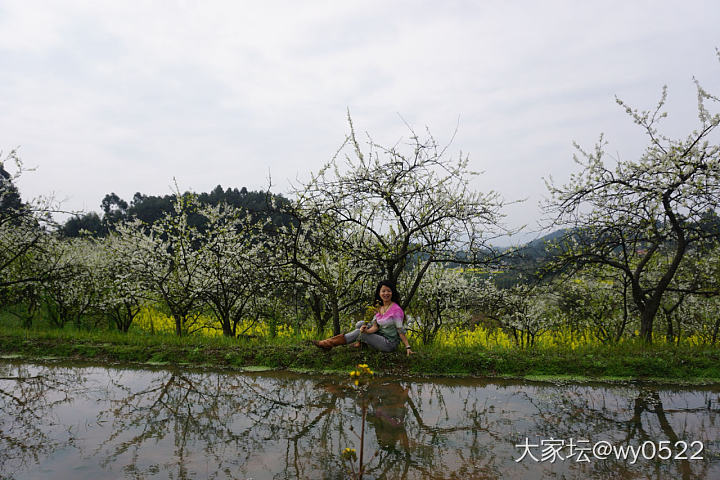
<point x="122" y="96"/>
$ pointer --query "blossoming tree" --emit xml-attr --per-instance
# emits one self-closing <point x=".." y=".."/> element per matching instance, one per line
<point x="408" y="205"/>
<point x="627" y="214"/>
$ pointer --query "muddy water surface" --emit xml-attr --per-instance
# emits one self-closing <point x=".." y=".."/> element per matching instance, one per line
<point x="64" y="422"/>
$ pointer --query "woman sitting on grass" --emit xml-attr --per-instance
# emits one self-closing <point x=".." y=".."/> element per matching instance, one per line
<point x="386" y="329"/>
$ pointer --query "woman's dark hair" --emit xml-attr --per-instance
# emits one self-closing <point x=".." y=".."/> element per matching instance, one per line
<point x="386" y="283"/>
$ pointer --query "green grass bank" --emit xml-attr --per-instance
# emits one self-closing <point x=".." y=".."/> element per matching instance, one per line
<point x="662" y="363"/>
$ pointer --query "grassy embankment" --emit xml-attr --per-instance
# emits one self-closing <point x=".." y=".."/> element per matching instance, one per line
<point x="675" y="364"/>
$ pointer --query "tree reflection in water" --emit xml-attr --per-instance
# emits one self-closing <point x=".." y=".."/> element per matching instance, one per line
<point x="182" y="424"/>
<point x="631" y="415"/>
<point x="29" y="426"/>
<point x="234" y="420"/>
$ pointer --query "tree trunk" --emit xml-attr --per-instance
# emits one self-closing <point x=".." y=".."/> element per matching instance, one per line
<point x="621" y="330"/>
<point x="647" y="315"/>
<point x="227" y="328"/>
<point x="320" y="318"/>
<point x="335" y="316"/>
<point x="670" y="334"/>
<point x="178" y="325"/>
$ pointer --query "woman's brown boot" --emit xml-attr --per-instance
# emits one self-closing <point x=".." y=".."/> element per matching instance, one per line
<point x="331" y="342"/>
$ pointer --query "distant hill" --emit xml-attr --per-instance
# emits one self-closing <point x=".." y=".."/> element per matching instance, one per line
<point x="539" y="248"/>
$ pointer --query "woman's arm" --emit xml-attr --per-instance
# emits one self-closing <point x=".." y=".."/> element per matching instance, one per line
<point x="405" y="342"/>
<point x="374" y="327"/>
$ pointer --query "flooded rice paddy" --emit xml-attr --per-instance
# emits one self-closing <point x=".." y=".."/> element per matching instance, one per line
<point x="68" y="422"/>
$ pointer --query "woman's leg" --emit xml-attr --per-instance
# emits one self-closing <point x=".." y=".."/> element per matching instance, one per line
<point x="331" y="342"/>
<point x="378" y="342"/>
<point x="352" y="336"/>
<point x="341" y="339"/>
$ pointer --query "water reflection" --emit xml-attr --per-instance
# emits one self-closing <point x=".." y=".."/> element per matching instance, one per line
<point x="29" y="426"/>
<point x="69" y="422"/>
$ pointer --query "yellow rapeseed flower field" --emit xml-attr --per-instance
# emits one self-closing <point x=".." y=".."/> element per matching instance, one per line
<point x="154" y="321"/>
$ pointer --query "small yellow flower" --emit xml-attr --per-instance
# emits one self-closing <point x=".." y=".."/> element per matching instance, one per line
<point x="361" y="374"/>
<point x="349" y="453"/>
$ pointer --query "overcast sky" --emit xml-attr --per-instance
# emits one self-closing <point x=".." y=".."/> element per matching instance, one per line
<point x="108" y="96"/>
